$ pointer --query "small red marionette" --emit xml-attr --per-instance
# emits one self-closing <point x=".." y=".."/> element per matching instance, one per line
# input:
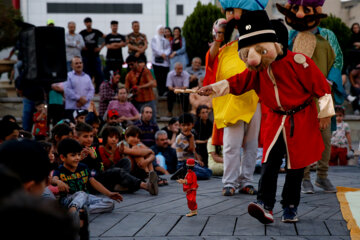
<point x="190" y="186"/>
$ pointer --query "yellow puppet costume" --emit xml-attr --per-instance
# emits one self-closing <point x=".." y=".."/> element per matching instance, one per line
<point x="229" y="109"/>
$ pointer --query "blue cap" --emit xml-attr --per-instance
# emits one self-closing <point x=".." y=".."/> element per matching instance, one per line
<point x="251" y="5"/>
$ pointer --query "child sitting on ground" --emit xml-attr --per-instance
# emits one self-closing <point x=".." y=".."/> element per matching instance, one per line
<point x="80" y="115"/>
<point x="141" y="156"/>
<point x="340" y="139"/>
<point x="117" y="168"/>
<point x="185" y="149"/>
<point x="40" y="121"/>
<point x="73" y="179"/>
<point x="94" y="122"/>
<point x="84" y="135"/>
<point x="216" y="161"/>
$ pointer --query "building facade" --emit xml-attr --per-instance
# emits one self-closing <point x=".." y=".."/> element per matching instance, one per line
<point x="149" y="13"/>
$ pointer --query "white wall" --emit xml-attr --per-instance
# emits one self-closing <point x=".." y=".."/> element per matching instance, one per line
<point x="154" y="13"/>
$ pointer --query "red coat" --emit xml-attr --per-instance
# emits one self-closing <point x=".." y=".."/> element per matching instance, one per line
<point x="191" y="181"/>
<point x="296" y="84"/>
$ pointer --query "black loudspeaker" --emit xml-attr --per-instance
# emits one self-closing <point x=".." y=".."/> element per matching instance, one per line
<point x="44" y="55"/>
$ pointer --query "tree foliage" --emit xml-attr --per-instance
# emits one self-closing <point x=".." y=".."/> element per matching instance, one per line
<point x="8" y="29"/>
<point x="197" y="29"/>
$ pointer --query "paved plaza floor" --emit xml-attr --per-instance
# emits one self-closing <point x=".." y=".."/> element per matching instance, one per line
<point x="146" y="217"/>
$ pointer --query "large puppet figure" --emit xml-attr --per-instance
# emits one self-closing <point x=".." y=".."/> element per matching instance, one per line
<point x="322" y="47"/>
<point x="239" y="116"/>
<point x="286" y="83"/>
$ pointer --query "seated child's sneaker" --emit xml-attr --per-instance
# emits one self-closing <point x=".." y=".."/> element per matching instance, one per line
<point x="249" y="189"/>
<point x="257" y="210"/>
<point x="179" y="174"/>
<point x="153" y="183"/>
<point x="289" y="214"/>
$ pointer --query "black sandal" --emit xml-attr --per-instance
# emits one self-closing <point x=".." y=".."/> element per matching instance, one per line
<point x="162" y="181"/>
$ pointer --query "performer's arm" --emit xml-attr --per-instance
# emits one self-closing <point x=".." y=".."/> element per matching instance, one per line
<point x="237" y="85"/>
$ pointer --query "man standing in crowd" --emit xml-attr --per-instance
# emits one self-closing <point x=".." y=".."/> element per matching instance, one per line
<point x="114" y="43"/>
<point x="74" y="44"/>
<point x="78" y="89"/>
<point x="177" y="79"/>
<point x="140" y="83"/>
<point x="137" y="42"/>
<point x="93" y="44"/>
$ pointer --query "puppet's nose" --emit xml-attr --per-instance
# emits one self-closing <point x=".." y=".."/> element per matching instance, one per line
<point x="254" y="58"/>
<point x="300" y="13"/>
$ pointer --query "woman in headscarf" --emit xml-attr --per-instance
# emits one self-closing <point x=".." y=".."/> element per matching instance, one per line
<point x="160" y="58"/>
<point x="178" y="47"/>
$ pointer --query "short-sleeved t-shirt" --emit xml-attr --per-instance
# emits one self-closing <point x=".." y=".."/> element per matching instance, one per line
<point x="338" y="137"/>
<point x="114" y="54"/>
<point x="77" y="180"/>
<point x="182" y="145"/>
<point x="136" y="39"/>
<point x="92" y="40"/>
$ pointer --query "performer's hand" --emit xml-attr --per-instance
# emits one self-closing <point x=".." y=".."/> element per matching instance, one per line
<point x="206" y="91"/>
<point x="324" y="122"/>
<point x="219" y="37"/>
<point x="201" y="163"/>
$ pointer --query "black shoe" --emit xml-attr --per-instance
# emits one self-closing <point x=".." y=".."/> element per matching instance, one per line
<point x="179" y="174"/>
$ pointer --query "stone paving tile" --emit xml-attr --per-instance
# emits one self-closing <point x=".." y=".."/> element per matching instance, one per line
<point x="144" y="217"/>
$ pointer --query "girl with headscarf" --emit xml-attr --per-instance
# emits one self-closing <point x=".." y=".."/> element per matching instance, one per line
<point x="160" y="58"/>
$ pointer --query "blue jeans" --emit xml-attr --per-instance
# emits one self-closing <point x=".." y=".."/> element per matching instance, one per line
<point x="95" y="204"/>
<point x="28" y="111"/>
<point x="202" y="173"/>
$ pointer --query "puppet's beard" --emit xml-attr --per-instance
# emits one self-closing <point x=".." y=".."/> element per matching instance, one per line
<point x="229" y="29"/>
<point x="301" y="24"/>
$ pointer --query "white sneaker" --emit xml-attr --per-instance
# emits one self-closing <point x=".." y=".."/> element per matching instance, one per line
<point x="350" y="98"/>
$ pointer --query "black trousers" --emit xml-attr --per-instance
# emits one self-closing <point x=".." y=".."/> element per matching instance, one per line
<point x="269" y="175"/>
<point x="119" y="174"/>
<point x="183" y="98"/>
<point x="161" y="75"/>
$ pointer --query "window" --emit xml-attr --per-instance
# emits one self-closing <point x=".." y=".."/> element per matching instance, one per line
<point x="124" y="8"/>
<point x="179" y="9"/>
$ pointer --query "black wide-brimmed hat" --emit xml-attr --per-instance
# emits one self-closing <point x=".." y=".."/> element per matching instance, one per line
<point x="255" y="27"/>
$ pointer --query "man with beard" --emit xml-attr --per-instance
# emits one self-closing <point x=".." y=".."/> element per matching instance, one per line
<point x="322" y="47"/>
<point x="237" y="118"/>
<point x="113" y="119"/>
<point x="286" y="83"/>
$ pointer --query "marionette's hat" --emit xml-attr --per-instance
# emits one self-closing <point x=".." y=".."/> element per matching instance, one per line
<point x="255" y="27"/>
<point x="311" y="3"/>
<point x="190" y="162"/>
